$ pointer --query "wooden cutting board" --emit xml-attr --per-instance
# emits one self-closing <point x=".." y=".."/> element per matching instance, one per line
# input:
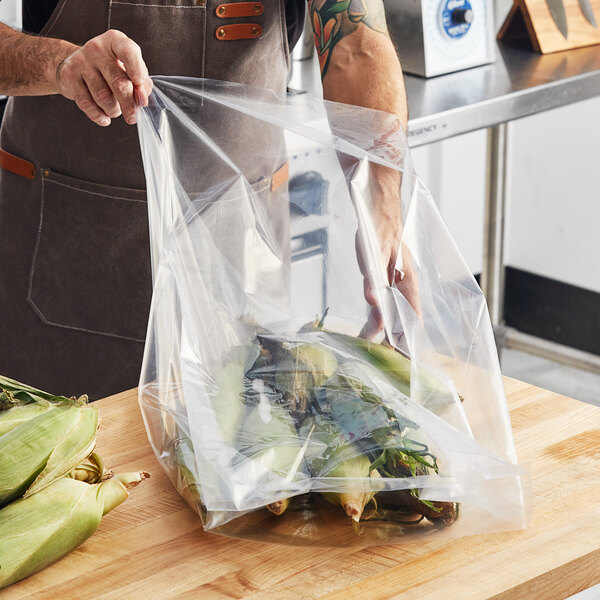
<point x="153" y="547"/>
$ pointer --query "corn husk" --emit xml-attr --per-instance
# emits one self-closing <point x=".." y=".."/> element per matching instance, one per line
<point x="228" y="399"/>
<point x="38" y="530"/>
<point x="45" y="448"/>
<point x="91" y="471"/>
<point x="396" y="367"/>
<point x="187" y="482"/>
<point x="268" y="436"/>
<point x="293" y="369"/>
<point x="20" y="402"/>
<point x="17" y="415"/>
<point x="331" y="454"/>
<point x="319" y="360"/>
<point x="14" y="393"/>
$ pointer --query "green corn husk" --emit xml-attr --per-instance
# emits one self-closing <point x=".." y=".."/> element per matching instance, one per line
<point x="293" y="369"/>
<point x="20" y="402"/>
<point x="45" y="448"/>
<point x="321" y="362"/>
<point x="396" y="367"/>
<point x="14" y="393"/>
<point x="91" y="471"/>
<point x="228" y="401"/>
<point x="268" y="436"/>
<point x="188" y="480"/>
<point x="38" y="530"/>
<point x="330" y="454"/>
<point x="17" y="415"/>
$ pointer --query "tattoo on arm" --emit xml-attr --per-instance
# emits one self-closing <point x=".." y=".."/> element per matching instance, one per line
<point x="333" y="20"/>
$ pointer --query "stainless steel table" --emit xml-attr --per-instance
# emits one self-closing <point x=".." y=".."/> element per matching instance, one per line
<point x="520" y="83"/>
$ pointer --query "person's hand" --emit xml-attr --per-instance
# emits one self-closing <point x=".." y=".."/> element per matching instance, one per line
<point x="106" y="77"/>
<point x="387" y="221"/>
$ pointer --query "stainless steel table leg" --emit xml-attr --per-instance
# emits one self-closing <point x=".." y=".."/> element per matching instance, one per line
<point x="492" y="273"/>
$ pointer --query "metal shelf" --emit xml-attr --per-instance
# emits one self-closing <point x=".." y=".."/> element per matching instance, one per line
<point x="520" y="83"/>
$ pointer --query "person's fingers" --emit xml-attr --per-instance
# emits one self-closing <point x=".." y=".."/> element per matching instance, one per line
<point x="102" y="94"/>
<point x="408" y="287"/>
<point x="373" y="325"/>
<point x="85" y="102"/>
<point x="140" y="95"/>
<point x="130" y="54"/>
<point x="122" y="89"/>
<point x="369" y="292"/>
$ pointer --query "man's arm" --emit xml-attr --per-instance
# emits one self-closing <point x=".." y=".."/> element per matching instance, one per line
<point x="359" y="66"/>
<point x="358" y="61"/>
<point x="105" y="77"/>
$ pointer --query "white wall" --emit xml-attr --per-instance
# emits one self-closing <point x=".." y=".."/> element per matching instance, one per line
<point x="554" y="194"/>
<point x="553" y="225"/>
<point x="454" y="171"/>
<point x="10" y="12"/>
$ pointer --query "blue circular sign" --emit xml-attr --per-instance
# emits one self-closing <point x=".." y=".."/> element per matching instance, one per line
<point x="457" y="16"/>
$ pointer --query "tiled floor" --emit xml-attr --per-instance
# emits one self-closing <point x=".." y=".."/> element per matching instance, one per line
<point x="581" y="385"/>
<point x="568" y="381"/>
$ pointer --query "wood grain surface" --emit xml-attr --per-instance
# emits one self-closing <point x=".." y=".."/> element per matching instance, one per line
<point x="545" y="35"/>
<point x="153" y="546"/>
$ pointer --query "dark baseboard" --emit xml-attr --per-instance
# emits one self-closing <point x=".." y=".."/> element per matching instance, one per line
<point x="552" y="310"/>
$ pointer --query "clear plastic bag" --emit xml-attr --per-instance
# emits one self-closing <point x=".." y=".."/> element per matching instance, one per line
<point x="268" y="407"/>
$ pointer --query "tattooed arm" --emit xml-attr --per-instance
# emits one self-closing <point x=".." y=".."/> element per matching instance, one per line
<point x="357" y="58"/>
<point x="359" y="66"/>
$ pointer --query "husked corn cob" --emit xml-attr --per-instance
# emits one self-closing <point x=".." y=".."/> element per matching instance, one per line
<point x="38" y="530"/>
<point x="44" y="448"/>
<point x="352" y="501"/>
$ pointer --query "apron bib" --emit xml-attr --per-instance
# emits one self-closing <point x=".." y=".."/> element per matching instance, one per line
<point x="74" y="246"/>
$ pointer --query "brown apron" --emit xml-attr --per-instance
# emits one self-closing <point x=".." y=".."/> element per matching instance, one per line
<point x="75" y="281"/>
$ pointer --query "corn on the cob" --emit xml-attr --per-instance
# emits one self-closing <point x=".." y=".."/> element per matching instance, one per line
<point x="279" y="507"/>
<point x="38" y="530"/>
<point x="269" y="438"/>
<point x="20" y="402"/>
<point x="92" y="471"/>
<point x="15" y="393"/>
<point x="353" y="502"/>
<point x="317" y="358"/>
<point x="17" y="415"/>
<point x="188" y="481"/>
<point x="330" y="454"/>
<point x="44" y="448"/>
<point x="228" y="399"/>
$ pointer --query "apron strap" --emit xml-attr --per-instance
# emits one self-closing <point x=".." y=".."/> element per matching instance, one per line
<point x="280" y="176"/>
<point x="16" y="165"/>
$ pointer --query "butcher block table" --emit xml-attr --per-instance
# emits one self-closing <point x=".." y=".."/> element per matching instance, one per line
<point x="153" y="547"/>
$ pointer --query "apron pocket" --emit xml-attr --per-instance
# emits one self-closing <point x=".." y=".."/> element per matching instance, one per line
<point x="91" y="264"/>
<point x="171" y="33"/>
